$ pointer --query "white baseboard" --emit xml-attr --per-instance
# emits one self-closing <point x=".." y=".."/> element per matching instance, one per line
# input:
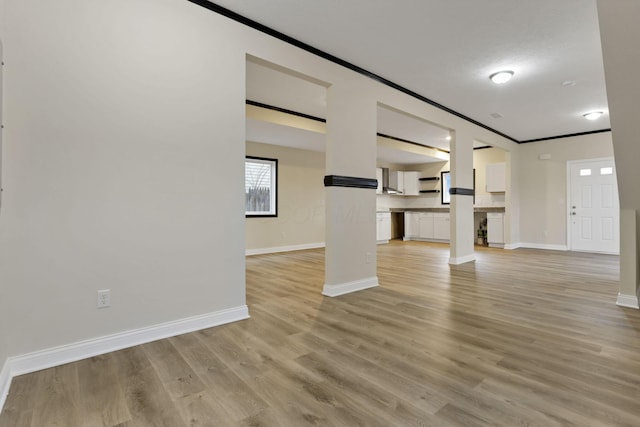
<point x="628" y="301"/>
<point x="5" y="383"/>
<point x="421" y="239"/>
<point x="277" y="249"/>
<point x="462" y="259"/>
<point x="544" y="246"/>
<point x="47" y="358"/>
<point x="346" y="288"/>
<point x="512" y="246"/>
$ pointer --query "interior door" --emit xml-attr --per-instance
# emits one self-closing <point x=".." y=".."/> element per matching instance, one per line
<point x="594" y="214"/>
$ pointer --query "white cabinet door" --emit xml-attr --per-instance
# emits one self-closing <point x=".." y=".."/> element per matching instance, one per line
<point x="379" y="178"/>
<point x="496" y="178"/>
<point x="495" y="229"/>
<point x="425" y="225"/>
<point x="383" y="227"/>
<point x="410" y="225"/>
<point x="411" y="183"/>
<point x="441" y="226"/>
<point x="385" y="232"/>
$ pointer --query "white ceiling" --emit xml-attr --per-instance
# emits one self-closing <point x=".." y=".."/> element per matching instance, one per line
<point x="445" y="51"/>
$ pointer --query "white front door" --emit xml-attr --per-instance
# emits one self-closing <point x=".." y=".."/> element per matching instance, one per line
<point x="594" y="211"/>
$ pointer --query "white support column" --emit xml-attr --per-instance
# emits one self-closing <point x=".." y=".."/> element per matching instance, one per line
<point x="350" y="255"/>
<point x="462" y="230"/>
<point x="629" y="260"/>
<point x="512" y="203"/>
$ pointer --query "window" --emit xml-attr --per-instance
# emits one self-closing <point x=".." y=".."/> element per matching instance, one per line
<point x="445" y="186"/>
<point x="606" y="171"/>
<point x="445" y="179"/>
<point x="260" y="187"/>
<point x="585" y="172"/>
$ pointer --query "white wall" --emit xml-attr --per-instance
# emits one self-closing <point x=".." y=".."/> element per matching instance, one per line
<point x="543" y="218"/>
<point x="4" y="290"/>
<point x="301" y="205"/>
<point x="123" y="168"/>
<point x="123" y="163"/>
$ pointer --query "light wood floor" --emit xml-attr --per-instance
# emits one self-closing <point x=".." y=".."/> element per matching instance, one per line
<point x="519" y="338"/>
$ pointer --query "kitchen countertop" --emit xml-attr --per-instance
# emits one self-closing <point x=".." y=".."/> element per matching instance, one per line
<point x="443" y="209"/>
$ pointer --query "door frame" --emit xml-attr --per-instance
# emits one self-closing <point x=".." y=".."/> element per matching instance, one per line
<point x="571" y="163"/>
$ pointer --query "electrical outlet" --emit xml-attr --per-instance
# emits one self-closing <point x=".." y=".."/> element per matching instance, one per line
<point x="104" y="298"/>
<point x="369" y="257"/>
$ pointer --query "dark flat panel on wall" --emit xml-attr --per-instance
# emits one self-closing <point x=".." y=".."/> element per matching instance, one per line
<point x="350" y="181"/>
<point x="461" y="191"/>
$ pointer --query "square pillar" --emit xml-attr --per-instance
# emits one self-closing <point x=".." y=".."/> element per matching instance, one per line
<point x="350" y="255"/>
<point x="629" y="260"/>
<point x="462" y="190"/>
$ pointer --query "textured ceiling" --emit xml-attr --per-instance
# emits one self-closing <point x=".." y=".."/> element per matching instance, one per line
<point x="445" y="51"/>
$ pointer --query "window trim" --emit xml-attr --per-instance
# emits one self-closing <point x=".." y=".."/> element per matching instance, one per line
<point x="274" y="185"/>
<point x="445" y="196"/>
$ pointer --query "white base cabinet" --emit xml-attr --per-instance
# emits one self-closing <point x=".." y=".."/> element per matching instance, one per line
<point x="495" y="229"/>
<point x="441" y="226"/>
<point x="383" y="227"/>
<point x="427" y="226"/>
<point x="436" y="227"/>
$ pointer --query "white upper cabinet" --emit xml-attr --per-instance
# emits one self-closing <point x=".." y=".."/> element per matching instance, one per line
<point x="411" y="183"/>
<point x="396" y="180"/>
<point x="379" y="178"/>
<point x="496" y="178"/>
<point x="407" y="182"/>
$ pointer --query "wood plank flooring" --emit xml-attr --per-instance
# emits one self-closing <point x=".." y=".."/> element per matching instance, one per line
<point x="518" y="338"/>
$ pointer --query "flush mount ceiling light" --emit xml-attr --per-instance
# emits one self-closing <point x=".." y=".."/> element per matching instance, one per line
<point x="594" y="115"/>
<point x="501" y="77"/>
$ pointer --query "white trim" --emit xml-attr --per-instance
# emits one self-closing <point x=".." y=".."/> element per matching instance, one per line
<point x="628" y="301"/>
<point x="422" y="239"/>
<point x="5" y="383"/>
<point x="55" y="356"/>
<point x="545" y="246"/>
<point x="462" y="259"/>
<point x="511" y="246"/>
<point x="347" y="288"/>
<point x="597" y="252"/>
<point x="277" y="249"/>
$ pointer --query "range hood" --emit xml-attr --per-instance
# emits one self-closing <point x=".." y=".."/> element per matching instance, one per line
<point x="385" y="183"/>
